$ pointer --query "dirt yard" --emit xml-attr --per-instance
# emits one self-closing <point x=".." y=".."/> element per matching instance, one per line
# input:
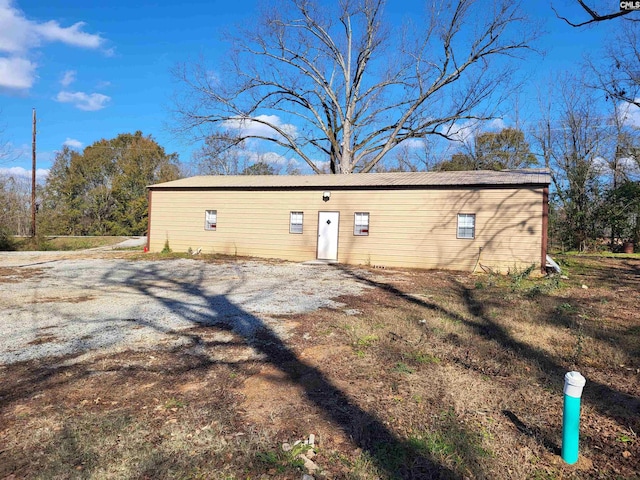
<point x="117" y="365"/>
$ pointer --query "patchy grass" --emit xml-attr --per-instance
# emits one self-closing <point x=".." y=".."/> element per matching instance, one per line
<point x="204" y="257"/>
<point x="41" y="243"/>
<point x="602" y="254"/>
<point x="438" y="375"/>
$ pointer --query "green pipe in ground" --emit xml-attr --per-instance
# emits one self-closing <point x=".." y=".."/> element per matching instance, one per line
<point x="573" y="385"/>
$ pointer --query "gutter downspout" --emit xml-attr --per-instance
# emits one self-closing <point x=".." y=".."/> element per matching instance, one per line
<point x="149" y="221"/>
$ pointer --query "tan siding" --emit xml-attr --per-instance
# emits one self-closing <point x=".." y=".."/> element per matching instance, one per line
<point x="412" y="228"/>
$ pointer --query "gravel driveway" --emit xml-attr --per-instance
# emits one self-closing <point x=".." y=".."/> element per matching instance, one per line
<point x="72" y="305"/>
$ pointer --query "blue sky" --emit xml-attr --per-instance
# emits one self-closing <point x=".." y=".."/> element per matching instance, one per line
<point x="96" y="69"/>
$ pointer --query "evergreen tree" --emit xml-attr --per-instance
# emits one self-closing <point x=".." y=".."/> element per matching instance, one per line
<point x="102" y="191"/>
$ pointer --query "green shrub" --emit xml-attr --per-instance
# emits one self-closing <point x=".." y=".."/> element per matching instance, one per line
<point x="6" y="240"/>
<point x="166" y="248"/>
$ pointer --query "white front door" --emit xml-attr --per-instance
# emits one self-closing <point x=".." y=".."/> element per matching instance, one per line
<point x="328" y="235"/>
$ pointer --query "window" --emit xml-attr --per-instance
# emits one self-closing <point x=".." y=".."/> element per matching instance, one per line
<point x="467" y="225"/>
<point x="295" y="222"/>
<point x="210" y="219"/>
<point x="361" y="224"/>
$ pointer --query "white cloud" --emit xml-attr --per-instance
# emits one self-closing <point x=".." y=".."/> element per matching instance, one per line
<point x="495" y="124"/>
<point x="23" y="172"/>
<point x="413" y="143"/>
<point x="84" y="101"/>
<point x="19" y="35"/>
<point x="323" y="165"/>
<point x="16" y="73"/>
<point x="16" y="32"/>
<point x="601" y="165"/>
<point x="629" y="113"/>
<point x="467" y="129"/>
<point x="52" y="31"/>
<point x="249" y="156"/>
<point x="68" y="78"/>
<point x="257" y="126"/>
<point x="268" y="157"/>
<point x="73" y="143"/>
<point x="627" y="165"/>
<point x="462" y="131"/>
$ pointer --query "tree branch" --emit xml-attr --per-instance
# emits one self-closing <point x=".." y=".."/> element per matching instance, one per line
<point x="595" y="17"/>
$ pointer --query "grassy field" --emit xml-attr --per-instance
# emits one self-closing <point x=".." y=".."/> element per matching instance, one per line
<point x="430" y="374"/>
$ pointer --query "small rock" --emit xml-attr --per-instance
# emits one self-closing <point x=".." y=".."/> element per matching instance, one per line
<point x="564" y="277"/>
<point x="584" y="287"/>
<point x="626" y="454"/>
<point x="309" y="465"/>
<point x="312" y="439"/>
<point x="306" y="476"/>
<point x="286" y="447"/>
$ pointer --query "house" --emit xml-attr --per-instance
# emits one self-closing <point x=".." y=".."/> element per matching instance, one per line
<point x="453" y="220"/>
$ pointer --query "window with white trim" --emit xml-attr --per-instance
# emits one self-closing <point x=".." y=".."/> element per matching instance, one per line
<point x="361" y="223"/>
<point x="467" y="225"/>
<point x="295" y="222"/>
<point x="210" y="219"/>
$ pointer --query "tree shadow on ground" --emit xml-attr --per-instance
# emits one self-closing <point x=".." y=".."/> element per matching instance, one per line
<point x="383" y="446"/>
<point x="533" y="432"/>
<point x="617" y="405"/>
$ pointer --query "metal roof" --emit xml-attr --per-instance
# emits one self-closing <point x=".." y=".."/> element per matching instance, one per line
<point x="364" y="180"/>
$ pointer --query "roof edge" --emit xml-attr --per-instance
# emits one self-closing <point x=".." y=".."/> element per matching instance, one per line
<point x="476" y="178"/>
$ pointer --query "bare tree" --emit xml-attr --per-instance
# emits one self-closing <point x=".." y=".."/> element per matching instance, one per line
<point x="15" y="206"/>
<point x="622" y="169"/>
<point x="351" y="90"/>
<point x="215" y="158"/>
<point x="594" y="16"/>
<point x="617" y="73"/>
<point x="5" y="147"/>
<point x="573" y="144"/>
<point x="623" y="158"/>
<point x="419" y="157"/>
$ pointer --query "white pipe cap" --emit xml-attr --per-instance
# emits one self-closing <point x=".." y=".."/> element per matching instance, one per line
<point x="573" y="384"/>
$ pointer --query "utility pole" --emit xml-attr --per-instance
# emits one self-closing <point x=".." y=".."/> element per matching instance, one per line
<point x="33" y="178"/>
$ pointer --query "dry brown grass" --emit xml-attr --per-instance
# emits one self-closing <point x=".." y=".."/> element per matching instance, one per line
<point x="428" y="375"/>
<point x="16" y="274"/>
